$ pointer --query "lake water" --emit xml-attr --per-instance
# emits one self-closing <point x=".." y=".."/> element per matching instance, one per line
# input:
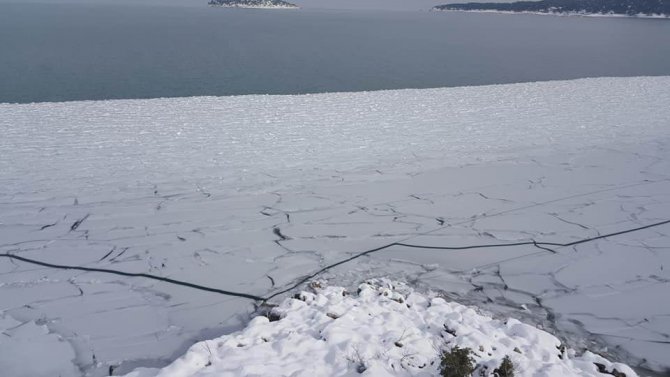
<point x="59" y="52"/>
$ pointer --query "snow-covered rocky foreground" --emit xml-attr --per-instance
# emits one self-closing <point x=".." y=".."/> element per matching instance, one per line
<point x="385" y="329"/>
<point x="252" y="193"/>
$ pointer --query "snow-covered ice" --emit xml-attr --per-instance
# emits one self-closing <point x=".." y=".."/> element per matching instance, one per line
<point x="383" y="329"/>
<point x="194" y="188"/>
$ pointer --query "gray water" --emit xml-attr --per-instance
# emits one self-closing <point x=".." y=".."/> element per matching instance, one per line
<point x="59" y="52"/>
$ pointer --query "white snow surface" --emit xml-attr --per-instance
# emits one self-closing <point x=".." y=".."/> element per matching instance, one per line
<point x="194" y="188"/>
<point x="383" y="329"/>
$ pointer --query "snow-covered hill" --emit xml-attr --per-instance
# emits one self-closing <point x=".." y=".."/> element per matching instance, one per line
<point x="383" y="329"/>
<point x="200" y="190"/>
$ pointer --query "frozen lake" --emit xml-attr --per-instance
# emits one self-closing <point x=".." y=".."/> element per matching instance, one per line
<point x="200" y="189"/>
<point x="57" y="52"/>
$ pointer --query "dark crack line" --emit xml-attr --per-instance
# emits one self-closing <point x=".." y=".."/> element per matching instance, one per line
<point x="279" y="234"/>
<point x="631" y="338"/>
<point x="120" y="254"/>
<point x="326" y="268"/>
<point x="77" y="223"/>
<point x="544" y="248"/>
<point x="455" y="248"/>
<point x="48" y="225"/>
<point x="130" y="274"/>
<point x="556" y="216"/>
<point x="108" y="254"/>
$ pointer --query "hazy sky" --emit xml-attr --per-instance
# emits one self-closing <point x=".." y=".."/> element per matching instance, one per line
<point x="307" y="4"/>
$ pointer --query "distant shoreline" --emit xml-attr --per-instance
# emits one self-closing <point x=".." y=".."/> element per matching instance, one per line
<point x="242" y="6"/>
<point x="557" y="14"/>
<point x="253" y="4"/>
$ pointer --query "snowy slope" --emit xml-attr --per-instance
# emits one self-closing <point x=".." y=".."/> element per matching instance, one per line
<point x="384" y="329"/>
<point x="193" y="189"/>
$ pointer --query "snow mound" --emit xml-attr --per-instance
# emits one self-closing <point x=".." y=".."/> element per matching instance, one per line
<point x="384" y="329"/>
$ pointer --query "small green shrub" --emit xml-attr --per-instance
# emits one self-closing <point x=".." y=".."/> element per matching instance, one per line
<point x="506" y="368"/>
<point x="457" y="362"/>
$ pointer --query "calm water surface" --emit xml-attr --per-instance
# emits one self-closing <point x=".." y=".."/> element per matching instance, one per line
<point x="58" y="52"/>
